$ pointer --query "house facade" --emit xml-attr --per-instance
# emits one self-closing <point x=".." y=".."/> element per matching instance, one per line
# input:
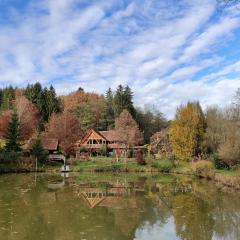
<point x="94" y="140"/>
<point x="97" y="139"/>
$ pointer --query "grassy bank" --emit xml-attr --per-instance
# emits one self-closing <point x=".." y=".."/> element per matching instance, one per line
<point x="228" y="178"/>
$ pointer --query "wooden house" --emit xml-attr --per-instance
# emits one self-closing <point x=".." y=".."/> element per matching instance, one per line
<point x="94" y="140"/>
<point x="97" y="139"/>
<point x="49" y="144"/>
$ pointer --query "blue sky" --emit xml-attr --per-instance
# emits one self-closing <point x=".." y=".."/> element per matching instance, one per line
<point x="169" y="52"/>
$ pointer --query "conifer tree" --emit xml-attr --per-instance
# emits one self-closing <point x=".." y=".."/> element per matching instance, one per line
<point x="13" y="134"/>
<point x="110" y="118"/>
<point x="38" y="151"/>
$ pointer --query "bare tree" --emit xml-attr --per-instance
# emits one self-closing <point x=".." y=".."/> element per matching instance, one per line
<point x="128" y="130"/>
<point x="64" y="127"/>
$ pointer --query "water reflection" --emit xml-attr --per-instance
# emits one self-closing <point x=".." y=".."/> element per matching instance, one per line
<point x="115" y="207"/>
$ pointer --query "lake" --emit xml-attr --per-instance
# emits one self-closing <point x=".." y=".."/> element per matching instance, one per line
<point x="98" y="206"/>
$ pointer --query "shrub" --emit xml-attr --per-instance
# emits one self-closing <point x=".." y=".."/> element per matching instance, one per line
<point x="218" y="163"/>
<point x="163" y="165"/>
<point x="10" y="158"/>
<point x="83" y="150"/>
<point x="140" y="158"/>
<point x="103" y="150"/>
<point x="203" y="168"/>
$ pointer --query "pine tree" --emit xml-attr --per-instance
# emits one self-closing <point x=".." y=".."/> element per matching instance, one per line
<point x="128" y="101"/>
<point x="123" y="99"/>
<point x="38" y="151"/>
<point x="110" y="117"/>
<point x="45" y="99"/>
<point x="13" y="134"/>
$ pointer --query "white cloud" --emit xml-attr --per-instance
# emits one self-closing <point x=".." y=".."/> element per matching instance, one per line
<point x="168" y="53"/>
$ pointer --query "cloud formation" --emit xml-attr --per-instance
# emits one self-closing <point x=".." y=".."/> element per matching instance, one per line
<point x="169" y="52"/>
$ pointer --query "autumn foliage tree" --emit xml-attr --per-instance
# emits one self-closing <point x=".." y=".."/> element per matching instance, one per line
<point x="128" y="130"/>
<point x="187" y="131"/>
<point x="66" y="128"/>
<point x="28" y="117"/>
<point x="160" y="144"/>
<point x="90" y="108"/>
<point x="4" y="119"/>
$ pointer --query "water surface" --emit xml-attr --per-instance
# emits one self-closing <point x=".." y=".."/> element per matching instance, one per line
<point x="49" y="207"/>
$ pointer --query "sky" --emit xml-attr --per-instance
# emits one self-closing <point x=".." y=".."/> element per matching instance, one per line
<point x="168" y="51"/>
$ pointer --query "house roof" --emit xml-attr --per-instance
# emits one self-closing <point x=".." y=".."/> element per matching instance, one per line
<point x="89" y="132"/>
<point x="111" y="135"/>
<point x="50" y="144"/>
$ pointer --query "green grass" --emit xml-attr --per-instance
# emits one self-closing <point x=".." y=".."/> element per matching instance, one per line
<point x="183" y="168"/>
<point x="105" y="164"/>
<point x="224" y="172"/>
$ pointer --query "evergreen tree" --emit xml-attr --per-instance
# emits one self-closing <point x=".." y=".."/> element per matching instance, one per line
<point x="119" y="101"/>
<point x="123" y="99"/>
<point x="187" y="131"/>
<point x="13" y="134"/>
<point x="128" y="101"/>
<point x="38" y="151"/>
<point x="45" y="99"/>
<point x="7" y="98"/>
<point x="110" y="117"/>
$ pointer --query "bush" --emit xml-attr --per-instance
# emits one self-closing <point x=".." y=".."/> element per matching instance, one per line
<point x="103" y="151"/>
<point x="218" y="163"/>
<point x="203" y="168"/>
<point x="163" y="165"/>
<point x="83" y="150"/>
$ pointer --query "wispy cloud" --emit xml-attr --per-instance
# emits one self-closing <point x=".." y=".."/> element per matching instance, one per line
<point x="167" y="51"/>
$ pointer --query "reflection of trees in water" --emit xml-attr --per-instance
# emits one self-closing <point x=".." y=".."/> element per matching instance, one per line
<point x="199" y="209"/>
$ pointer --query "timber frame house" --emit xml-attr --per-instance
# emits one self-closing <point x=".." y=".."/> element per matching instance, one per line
<point x="97" y="139"/>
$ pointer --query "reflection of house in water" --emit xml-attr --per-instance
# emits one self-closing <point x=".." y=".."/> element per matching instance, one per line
<point x="115" y="195"/>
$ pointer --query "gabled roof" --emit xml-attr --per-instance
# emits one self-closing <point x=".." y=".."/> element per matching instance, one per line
<point x="88" y="134"/>
<point x="111" y="135"/>
<point x="50" y="144"/>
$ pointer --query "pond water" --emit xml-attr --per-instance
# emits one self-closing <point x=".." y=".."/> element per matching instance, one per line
<point x="49" y="207"/>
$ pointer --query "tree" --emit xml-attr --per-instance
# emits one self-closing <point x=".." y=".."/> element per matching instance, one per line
<point x="150" y="121"/>
<point x="123" y="99"/>
<point x="38" y="152"/>
<point x="12" y="135"/>
<point x="229" y="148"/>
<point x="160" y="144"/>
<point x="90" y="109"/>
<point x="45" y="100"/>
<point x="110" y="117"/>
<point x="187" y="131"/>
<point x="7" y="96"/>
<point x="215" y="132"/>
<point x="66" y="128"/>
<point x="128" y="130"/>
<point x="4" y="120"/>
<point x="27" y="116"/>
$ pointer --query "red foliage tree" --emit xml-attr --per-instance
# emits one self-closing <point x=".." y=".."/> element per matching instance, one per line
<point x="66" y="128"/>
<point x="4" y="119"/>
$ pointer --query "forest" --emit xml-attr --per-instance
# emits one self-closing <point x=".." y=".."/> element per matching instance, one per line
<point x="208" y="139"/>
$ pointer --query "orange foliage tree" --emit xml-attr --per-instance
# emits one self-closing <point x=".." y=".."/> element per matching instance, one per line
<point x="90" y="108"/>
<point x="28" y="117"/>
<point x="66" y="128"/>
<point x="4" y="119"/>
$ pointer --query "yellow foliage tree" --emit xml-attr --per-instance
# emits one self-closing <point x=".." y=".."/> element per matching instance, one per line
<point x="187" y="131"/>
